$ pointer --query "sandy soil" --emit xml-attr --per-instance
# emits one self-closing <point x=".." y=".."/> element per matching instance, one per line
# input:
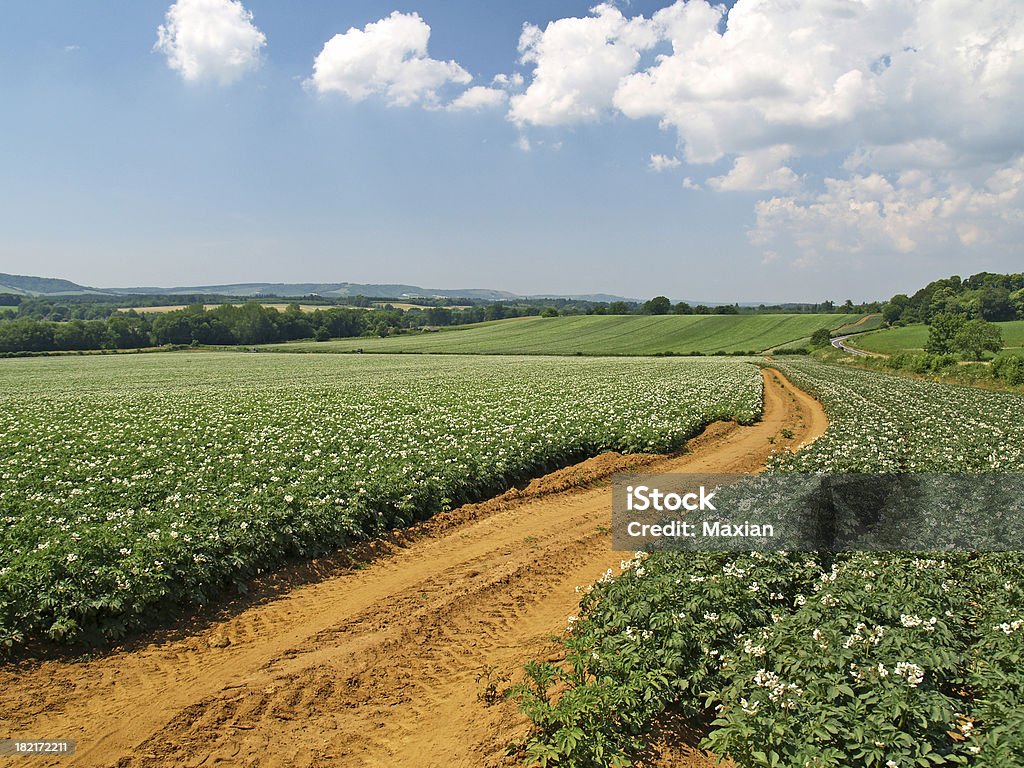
<point x="383" y="664"/>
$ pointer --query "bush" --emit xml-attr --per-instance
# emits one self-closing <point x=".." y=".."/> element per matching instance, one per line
<point x="920" y="363"/>
<point x="939" y="363"/>
<point x="1009" y="369"/>
<point x="792" y="351"/>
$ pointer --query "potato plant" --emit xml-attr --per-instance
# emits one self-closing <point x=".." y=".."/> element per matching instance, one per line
<point x="129" y="485"/>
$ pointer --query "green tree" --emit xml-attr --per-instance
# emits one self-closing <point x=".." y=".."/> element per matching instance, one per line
<point x="497" y="311"/>
<point x="125" y="332"/>
<point x="994" y="304"/>
<point x="976" y="337"/>
<point x="618" y="308"/>
<point x="821" y="337"/>
<point x="172" y="328"/>
<point x="439" y="316"/>
<point x="1017" y="299"/>
<point x="944" y="328"/>
<point x="549" y="312"/>
<point x="943" y="302"/>
<point x="893" y="310"/>
<point x="659" y="305"/>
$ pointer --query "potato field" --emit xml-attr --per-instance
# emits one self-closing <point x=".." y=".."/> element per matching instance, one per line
<point x="131" y="484"/>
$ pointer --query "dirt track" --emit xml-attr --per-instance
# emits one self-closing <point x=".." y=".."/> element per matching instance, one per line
<point x="381" y="665"/>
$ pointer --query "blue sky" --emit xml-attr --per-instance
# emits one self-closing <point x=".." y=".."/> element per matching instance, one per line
<point x="767" y="152"/>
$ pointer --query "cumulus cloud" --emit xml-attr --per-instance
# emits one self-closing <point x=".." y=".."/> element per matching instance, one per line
<point x="913" y="211"/>
<point x="912" y="80"/>
<point x="514" y="80"/>
<point x="479" y="97"/>
<point x="918" y="95"/>
<point x="659" y="163"/>
<point x="578" y="65"/>
<point x="760" y="170"/>
<point x="387" y="57"/>
<point x="210" y="40"/>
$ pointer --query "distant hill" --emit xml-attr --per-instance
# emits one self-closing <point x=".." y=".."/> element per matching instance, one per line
<point x="27" y="285"/>
<point x="396" y="291"/>
<point x="47" y="286"/>
<point x="606" y="298"/>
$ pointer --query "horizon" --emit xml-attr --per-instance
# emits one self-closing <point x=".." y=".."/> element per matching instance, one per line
<point x="750" y="150"/>
<point x="453" y="291"/>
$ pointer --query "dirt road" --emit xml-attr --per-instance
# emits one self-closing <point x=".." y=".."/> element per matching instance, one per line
<point x="383" y="665"/>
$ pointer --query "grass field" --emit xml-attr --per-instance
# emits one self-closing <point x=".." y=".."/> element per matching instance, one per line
<point x="861" y="325"/>
<point x="912" y="338"/>
<point x="601" y="335"/>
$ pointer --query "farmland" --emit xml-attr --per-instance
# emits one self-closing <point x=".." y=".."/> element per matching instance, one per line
<point x="280" y="307"/>
<point x="603" y="335"/>
<point x="136" y="484"/>
<point x="912" y="338"/>
<point x="850" y="659"/>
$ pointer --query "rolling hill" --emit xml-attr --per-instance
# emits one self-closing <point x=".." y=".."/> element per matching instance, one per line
<point x="599" y="335"/>
<point x="28" y="285"/>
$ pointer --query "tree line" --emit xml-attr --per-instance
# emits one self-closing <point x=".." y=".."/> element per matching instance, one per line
<point x="250" y="323"/>
<point x="986" y="296"/>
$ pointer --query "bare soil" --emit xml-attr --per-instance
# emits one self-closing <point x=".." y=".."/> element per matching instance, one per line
<point x="387" y="663"/>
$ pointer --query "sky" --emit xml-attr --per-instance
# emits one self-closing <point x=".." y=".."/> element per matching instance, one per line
<point x="764" y="150"/>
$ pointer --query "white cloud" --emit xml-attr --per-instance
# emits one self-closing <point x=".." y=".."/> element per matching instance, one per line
<point x="514" y="80"/>
<point x="659" y="163"/>
<point x="210" y="40"/>
<point x="578" y="64"/>
<point x="780" y="72"/>
<point x="920" y="96"/>
<point x="387" y="57"/>
<point x="689" y="183"/>
<point x="942" y="82"/>
<point x="915" y="211"/>
<point x="479" y="97"/>
<point x="760" y="170"/>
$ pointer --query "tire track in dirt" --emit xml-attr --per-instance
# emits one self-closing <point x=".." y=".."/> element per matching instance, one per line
<point x="385" y="665"/>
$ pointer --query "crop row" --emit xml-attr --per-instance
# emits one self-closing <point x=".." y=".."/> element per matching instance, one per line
<point x="130" y="485"/>
<point x="841" y="660"/>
